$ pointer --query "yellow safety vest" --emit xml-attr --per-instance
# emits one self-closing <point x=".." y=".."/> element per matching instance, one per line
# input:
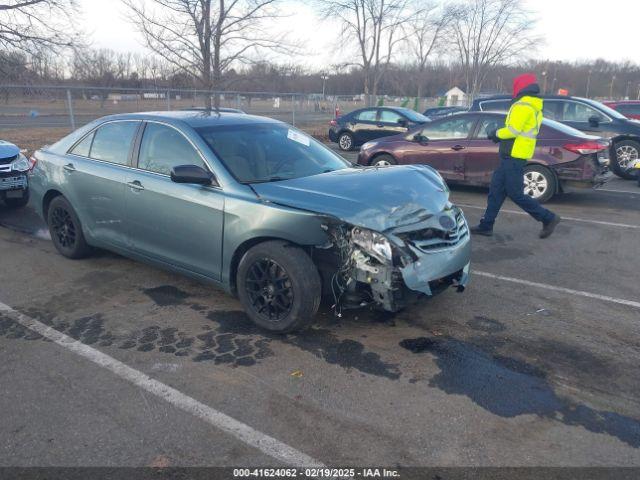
<point x="522" y="126"/>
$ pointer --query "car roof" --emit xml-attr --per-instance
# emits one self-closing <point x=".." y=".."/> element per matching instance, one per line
<point x="196" y="118"/>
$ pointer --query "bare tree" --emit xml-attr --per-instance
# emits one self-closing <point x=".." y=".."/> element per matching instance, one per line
<point x="33" y="26"/>
<point x="376" y="27"/>
<point x="204" y="38"/>
<point x="488" y="33"/>
<point x="427" y="33"/>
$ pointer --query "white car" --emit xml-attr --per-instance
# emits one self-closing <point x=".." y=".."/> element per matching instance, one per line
<point x="14" y="182"/>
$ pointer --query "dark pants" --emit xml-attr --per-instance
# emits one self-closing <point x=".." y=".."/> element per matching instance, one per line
<point x="507" y="181"/>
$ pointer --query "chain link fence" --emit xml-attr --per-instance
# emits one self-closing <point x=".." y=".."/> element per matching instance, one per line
<point x="23" y="107"/>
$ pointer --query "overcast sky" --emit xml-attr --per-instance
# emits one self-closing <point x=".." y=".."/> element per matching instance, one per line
<point x="572" y="29"/>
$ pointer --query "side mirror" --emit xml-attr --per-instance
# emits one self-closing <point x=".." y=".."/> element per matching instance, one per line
<point x="191" y="174"/>
<point x="594" y="121"/>
<point x="419" y="138"/>
<point x="402" y="122"/>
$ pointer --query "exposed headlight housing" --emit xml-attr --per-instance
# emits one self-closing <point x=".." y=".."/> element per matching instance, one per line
<point x="373" y="243"/>
<point x="21" y="164"/>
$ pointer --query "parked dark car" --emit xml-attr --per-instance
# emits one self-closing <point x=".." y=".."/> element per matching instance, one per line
<point x="360" y="126"/>
<point x="14" y="182"/>
<point x="629" y="108"/>
<point x="459" y="149"/>
<point x="590" y="117"/>
<point x="439" y="112"/>
<point x="255" y="206"/>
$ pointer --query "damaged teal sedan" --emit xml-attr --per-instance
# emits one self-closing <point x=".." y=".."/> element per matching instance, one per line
<point x="255" y="206"/>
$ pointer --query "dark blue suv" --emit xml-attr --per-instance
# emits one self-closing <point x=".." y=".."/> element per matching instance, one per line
<point x="588" y="116"/>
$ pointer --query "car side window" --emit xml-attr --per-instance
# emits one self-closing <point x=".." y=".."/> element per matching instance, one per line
<point x="388" y="116"/>
<point x="163" y="148"/>
<point x="552" y="109"/>
<point x="628" y="109"/>
<point x="487" y="125"/>
<point x="449" y="129"/>
<point x="367" y="116"/>
<point x="112" y="142"/>
<point x="83" y="148"/>
<point x="495" y="106"/>
<point x="579" y="112"/>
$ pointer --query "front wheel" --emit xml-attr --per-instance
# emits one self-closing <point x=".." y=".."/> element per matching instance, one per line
<point x="627" y="154"/>
<point x="539" y="183"/>
<point x="279" y="286"/>
<point x="383" y="160"/>
<point x="66" y="230"/>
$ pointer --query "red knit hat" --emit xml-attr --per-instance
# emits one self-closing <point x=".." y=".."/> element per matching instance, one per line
<point x="523" y="81"/>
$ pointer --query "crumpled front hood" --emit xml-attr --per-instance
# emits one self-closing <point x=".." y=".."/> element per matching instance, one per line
<point x="376" y="198"/>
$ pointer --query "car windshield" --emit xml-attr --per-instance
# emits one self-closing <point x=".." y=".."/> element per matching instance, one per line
<point x="607" y="110"/>
<point x="413" y="115"/>
<point x="258" y="153"/>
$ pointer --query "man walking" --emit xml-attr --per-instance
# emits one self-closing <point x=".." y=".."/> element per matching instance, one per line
<point x="517" y="144"/>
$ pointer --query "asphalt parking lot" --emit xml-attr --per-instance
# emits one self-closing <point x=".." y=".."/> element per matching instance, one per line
<point x="535" y="364"/>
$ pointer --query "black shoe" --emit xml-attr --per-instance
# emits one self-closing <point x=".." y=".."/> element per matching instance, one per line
<point x="548" y="228"/>
<point x="480" y="230"/>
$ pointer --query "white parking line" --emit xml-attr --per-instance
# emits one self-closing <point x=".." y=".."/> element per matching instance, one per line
<point x="261" y="441"/>
<point x="580" y="293"/>
<point x="572" y="219"/>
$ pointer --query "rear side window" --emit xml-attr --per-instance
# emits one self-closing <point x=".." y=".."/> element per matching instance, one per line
<point x="367" y="116"/>
<point x="495" y="106"/>
<point x="112" y="142"/>
<point x="163" y="148"/>
<point x="487" y="125"/>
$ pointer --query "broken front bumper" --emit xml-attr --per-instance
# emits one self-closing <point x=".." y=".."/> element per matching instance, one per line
<point x="13" y="181"/>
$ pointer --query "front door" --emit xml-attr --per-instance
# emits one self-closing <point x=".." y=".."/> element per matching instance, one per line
<point x="444" y="146"/>
<point x="95" y="175"/>
<point x="178" y="224"/>
<point x="391" y="123"/>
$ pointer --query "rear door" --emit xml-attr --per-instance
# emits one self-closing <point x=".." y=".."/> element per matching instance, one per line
<point x="446" y="146"/>
<point x="481" y="157"/>
<point x="179" y="224"/>
<point x="94" y="172"/>
<point x="364" y="125"/>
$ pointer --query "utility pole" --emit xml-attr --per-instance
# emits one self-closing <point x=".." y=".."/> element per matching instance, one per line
<point x="544" y="82"/>
<point x="324" y="77"/>
<point x="613" y="79"/>
<point x="588" y="82"/>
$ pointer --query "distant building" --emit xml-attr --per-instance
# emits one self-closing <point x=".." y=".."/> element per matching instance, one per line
<point x="455" y="97"/>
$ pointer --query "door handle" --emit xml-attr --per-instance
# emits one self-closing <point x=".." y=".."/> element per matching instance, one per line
<point x="135" y="185"/>
<point x="381" y="125"/>
<point x="69" y="167"/>
<point x="457" y="148"/>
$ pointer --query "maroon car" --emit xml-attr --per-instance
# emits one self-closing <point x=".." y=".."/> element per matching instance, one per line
<point x="458" y="148"/>
<point x="629" y="108"/>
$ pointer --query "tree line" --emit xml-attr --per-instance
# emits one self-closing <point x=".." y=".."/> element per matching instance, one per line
<point x="408" y="48"/>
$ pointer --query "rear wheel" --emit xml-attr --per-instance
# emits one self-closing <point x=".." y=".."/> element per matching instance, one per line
<point x="627" y="153"/>
<point x="279" y="286"/>
<point x="66" y="230"/>
<point x="539" y="183"/>
<point x="383" y="161"/>
<point x="345" y="141"/>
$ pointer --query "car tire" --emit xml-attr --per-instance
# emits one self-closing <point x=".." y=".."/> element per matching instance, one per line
<point x="625" y="152"/>
<point x="383" y="160"/>
<point x="66" y="230"/>
<point x="17" y="202"/>
<point x="279" y="286"/>
<point x="345" y="141"/>
<point x="540" y="183"/>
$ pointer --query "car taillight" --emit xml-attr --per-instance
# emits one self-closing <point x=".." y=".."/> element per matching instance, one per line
<point x="585" y="148"/>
